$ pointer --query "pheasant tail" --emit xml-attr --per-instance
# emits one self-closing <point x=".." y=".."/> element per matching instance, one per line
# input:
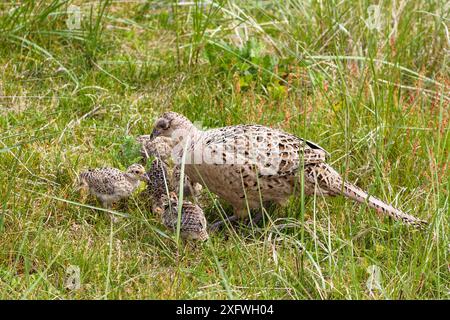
<point x="353" y="192"/>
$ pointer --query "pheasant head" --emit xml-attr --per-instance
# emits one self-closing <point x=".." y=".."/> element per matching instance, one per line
<point x="172" y="123"/>
<point x="136" y="172"/>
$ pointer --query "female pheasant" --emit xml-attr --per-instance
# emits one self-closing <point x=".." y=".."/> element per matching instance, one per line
<point x="193" y="222"/>
<point x="250" y="164"/>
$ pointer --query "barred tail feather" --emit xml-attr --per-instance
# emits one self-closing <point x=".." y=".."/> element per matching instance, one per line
<point x="331" y="182"/>
<point x="353" y="192"/>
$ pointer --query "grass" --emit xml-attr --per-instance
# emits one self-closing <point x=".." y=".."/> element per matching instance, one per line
<point x="375" y="96"/>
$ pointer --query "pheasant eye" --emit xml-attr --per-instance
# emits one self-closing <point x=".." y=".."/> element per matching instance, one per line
<point x="163" y="124"/>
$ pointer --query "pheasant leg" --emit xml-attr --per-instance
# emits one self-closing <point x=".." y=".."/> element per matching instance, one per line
<point x="220" y="223"/>
<point x="255" y="219"/>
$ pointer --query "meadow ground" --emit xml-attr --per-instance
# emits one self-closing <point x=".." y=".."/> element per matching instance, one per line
<point x="368" y="82"/>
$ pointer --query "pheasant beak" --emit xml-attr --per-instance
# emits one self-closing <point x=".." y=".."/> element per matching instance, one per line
<point x="155" y="133"/>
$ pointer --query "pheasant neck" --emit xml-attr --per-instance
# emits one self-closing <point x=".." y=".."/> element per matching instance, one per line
<point x="186" y="141"/>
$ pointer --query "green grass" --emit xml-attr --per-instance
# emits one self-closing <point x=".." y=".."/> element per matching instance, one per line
<point x="376" y="99"/>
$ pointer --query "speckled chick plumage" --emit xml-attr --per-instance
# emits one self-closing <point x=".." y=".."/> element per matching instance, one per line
<point x="193" y="223"/>
<point x="162" y="147"/>
<point x="245" y="163"/>
<point x="158" y="181"/>
<point x="110" y="185"/>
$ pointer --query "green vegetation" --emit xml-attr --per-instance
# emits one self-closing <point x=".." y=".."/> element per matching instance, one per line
<point x="373" y="92"/>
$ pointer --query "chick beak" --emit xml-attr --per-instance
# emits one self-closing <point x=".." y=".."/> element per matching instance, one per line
<point x="145" y="178"/>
